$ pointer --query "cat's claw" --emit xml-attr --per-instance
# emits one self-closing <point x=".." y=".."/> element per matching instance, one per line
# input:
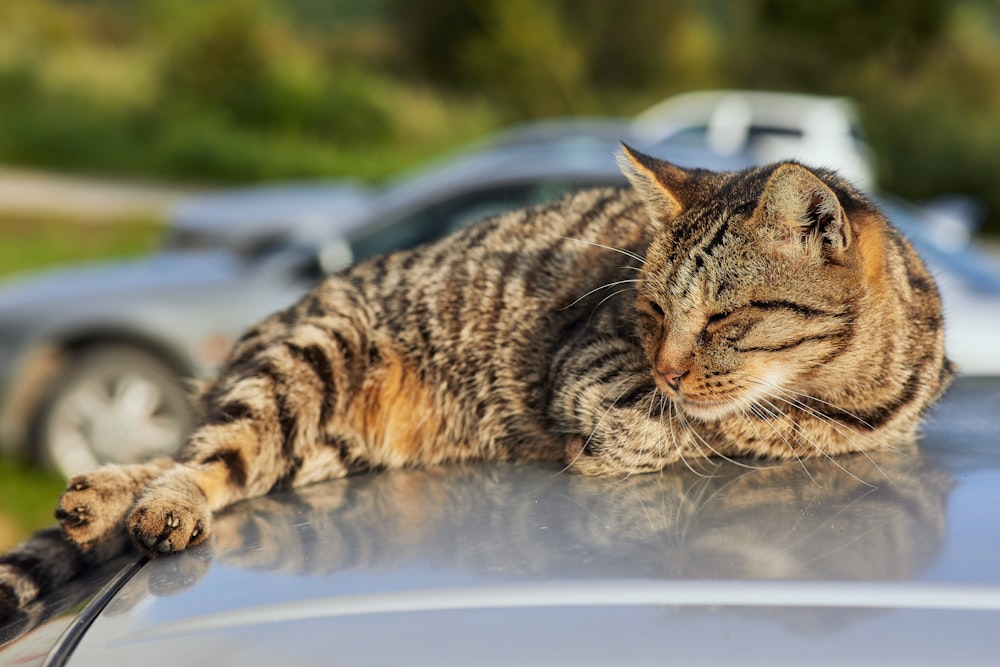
<point x="72" y="519"/>
<point x="164" y="522"/>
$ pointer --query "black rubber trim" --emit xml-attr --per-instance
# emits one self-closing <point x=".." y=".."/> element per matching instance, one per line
<point x="73" y="634"/>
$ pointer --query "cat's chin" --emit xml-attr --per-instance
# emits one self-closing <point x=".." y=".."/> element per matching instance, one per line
<point x="707" y="410"/>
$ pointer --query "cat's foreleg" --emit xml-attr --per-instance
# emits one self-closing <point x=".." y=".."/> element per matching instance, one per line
<point x="276" y="418"/>
<point x="604" y="394"/>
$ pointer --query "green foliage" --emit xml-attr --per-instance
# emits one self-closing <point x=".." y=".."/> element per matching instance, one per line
<point x="233" y="61"/>
<point x="228" y="91"/>
<point x="819" y="45"/>
<point x="237" y="90"/>
<point x="549" y="57"/>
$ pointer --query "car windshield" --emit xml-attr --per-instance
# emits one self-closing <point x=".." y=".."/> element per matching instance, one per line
<point x="437" y="219"/>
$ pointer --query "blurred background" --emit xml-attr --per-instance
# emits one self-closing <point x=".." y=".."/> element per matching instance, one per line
<point x="116" y="115"/>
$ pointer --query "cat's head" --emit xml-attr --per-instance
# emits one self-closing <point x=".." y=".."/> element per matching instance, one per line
<point x="777" y="282"/>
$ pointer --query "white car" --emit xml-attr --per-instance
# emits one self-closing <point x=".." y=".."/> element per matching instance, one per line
<point x="766" y="126"/>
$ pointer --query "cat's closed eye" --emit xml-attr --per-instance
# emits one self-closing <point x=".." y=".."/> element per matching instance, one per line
<point x="652" y="308"/>
<point x="713" y="324"/>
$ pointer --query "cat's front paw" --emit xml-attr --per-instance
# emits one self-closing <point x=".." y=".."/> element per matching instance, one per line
<point x="92" y="509"/>
<point x="171" y="516"/>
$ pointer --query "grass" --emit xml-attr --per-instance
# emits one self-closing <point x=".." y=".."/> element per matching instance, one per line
<point x="32" y="241"/>
<point x="27" y="500"/>
<point x="29" y="242"/>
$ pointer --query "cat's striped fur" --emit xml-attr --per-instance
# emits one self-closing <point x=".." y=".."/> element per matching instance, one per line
<point x="770" y="313"/>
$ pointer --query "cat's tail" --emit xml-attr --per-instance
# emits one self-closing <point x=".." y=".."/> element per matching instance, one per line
<point x="44" y="563"/>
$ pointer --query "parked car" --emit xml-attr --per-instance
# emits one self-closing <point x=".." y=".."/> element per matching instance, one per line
<point x="887" y="559"/>
<point x="92" y="359"/>
<point x="767" y="126"/>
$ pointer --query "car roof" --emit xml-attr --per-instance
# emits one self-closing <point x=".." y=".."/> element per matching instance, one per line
<point x="769" y="109"/>
<point x="856" y="560"/>
<point x="770" y="126"/>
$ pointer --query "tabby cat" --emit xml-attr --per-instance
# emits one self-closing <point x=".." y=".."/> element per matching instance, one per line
<point x="770" y="312"/>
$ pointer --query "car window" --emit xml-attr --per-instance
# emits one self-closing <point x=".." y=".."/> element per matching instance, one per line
<point x="442" y="217"/>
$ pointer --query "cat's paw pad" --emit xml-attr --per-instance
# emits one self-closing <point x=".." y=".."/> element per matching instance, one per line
<point x="92" y="506"/>
<point x="163" y="523"/>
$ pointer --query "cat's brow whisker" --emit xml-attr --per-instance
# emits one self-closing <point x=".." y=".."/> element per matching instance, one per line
<point x="598" y="289"/>
<point x="611" y="296"/>
<point x="627" y="253"/>
<point x="601" y="302"/>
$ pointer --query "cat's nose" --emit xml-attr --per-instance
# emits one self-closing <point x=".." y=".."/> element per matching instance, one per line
<point x="672" y="378"/>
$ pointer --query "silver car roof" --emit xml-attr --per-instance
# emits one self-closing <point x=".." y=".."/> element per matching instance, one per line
<point x="883" y="560"/>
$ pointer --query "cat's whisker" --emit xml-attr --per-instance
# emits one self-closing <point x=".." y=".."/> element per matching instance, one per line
<point x="767" y="417"/>
<point x="840" y="428"/>
<point x="699" y="438"/>
<point x="662" y="446"/>
<point x="627" y="253"/>
<point x="776" y="412"/>
<point x="680" y="450"/>
<point x="833" y="423"/>
<point x="785" y="390"/>
<point x="809" y="441"/>
<point x="645" y="436"/>
<point x="788" y="396"/>
<point x="749" y="419"/>
<point x="843" y="429"/>
<point x="645" y="433"/>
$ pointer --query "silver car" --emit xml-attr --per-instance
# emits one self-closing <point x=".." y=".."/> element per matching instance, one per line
<point x="883" y="560"/>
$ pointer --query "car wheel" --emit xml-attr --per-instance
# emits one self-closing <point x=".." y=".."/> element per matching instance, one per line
<point x="113" y="404"/>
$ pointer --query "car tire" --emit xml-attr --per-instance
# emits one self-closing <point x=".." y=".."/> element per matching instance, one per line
<point x="112" y="404"/>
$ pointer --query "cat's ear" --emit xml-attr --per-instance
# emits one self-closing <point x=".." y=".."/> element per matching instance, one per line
<point x="660" y="184"/>
<point x="805" y="212"/>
